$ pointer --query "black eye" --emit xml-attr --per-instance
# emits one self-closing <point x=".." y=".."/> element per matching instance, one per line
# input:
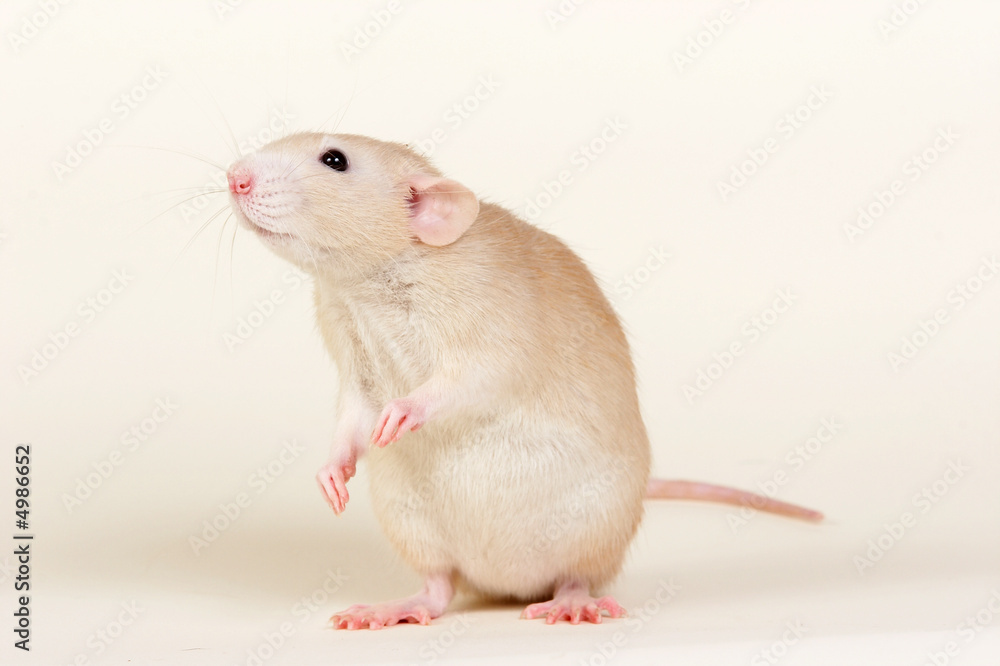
<point x="334" y="159"/>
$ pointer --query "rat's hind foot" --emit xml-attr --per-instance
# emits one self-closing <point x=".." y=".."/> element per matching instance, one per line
<point x="385" y="614"/>
<point x="573" y="603"/>
<point x="420" y="608"/>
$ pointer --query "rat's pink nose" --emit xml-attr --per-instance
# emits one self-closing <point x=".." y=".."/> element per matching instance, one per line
<point x="239" y="183"/>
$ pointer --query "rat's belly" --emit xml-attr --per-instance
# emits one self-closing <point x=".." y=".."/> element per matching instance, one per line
<point x="511" y="509"/>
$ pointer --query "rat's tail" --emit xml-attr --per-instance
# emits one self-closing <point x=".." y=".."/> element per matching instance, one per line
<point x="692" y="490"/>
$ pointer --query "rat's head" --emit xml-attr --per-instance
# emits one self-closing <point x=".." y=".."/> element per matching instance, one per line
<point x="344" y="202"/>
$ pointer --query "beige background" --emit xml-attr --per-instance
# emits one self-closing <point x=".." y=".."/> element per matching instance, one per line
<point x="544" y="89"/>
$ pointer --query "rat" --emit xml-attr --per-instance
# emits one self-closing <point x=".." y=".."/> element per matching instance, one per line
<point x="482" y="373"/>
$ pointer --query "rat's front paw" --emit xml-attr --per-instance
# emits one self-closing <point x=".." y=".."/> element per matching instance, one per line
<point x="399" y="417"/>
<point x="332" y="479"/>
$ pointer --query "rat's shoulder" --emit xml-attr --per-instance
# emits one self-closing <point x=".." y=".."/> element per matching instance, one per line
<point x="503" y="231"/>
<point x="502" y="253"/>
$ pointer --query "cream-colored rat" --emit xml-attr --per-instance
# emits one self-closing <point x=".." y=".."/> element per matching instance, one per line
<point x="482" y="371"/>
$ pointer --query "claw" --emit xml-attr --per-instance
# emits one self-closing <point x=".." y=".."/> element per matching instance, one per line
<point x="398" y="418"/>
<point x="332" y="479"/>
<point x="573" y="603"/>
<point x="420" y="608"/>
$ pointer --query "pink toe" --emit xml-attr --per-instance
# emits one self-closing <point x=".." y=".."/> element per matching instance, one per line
<point x="610" y="605"/>
<point x="532" y="611"/>
<point x="574" y="606"/>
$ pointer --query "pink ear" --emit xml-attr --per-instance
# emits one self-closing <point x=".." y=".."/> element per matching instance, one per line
<point x="440" y="209"/>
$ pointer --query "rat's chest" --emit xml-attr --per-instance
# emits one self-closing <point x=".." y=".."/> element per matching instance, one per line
<point x="383" y="345"/>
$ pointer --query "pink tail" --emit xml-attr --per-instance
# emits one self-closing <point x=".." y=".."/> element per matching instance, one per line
<point x="692" y="490"/>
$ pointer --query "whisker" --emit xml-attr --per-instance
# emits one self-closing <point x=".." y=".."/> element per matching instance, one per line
<point x="200" y="189"/>
<point x="291" y="167"/>
<point x="288" y="66"/>
<point x="159" y="215"/>
<point x="195" y="237"/>
<point x="171" y="193"/>
<point x="296" y="166"/>
<point x="346" y="107"/>
<point x="234" y="147"/>
<point x="218" y="252"/>
<point x="299" y="179"/>
<point x="232" y="248"/>
<point x="193" y="156"/>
